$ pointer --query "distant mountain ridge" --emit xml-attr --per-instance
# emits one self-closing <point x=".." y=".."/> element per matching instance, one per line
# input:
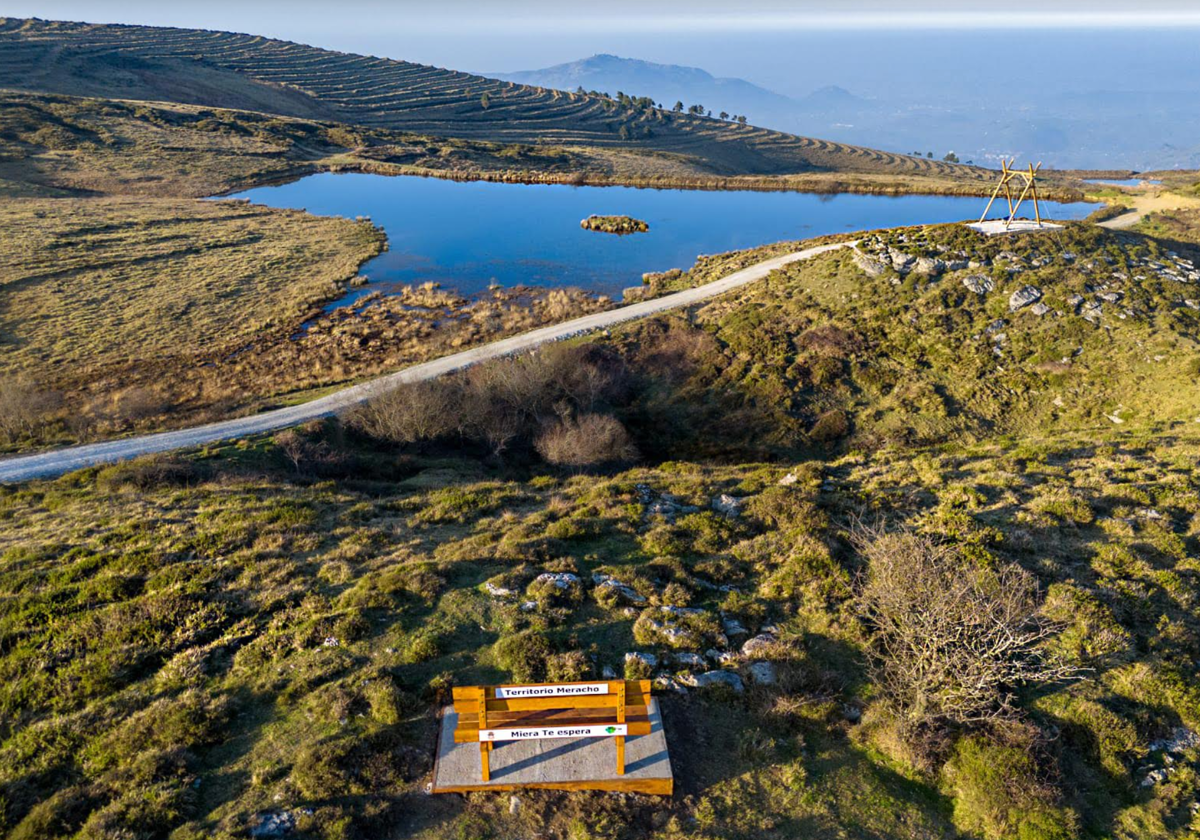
<point x="665" y="83"/>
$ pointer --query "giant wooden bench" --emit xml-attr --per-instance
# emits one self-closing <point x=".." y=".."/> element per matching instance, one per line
<point x="607" y="709"/>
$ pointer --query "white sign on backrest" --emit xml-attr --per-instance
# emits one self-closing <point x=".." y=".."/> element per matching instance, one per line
<point x="513" y="692"/>
<point x="603" y="730"/>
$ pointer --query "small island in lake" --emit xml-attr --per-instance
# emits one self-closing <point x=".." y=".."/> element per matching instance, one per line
<point x="619" y="225"/>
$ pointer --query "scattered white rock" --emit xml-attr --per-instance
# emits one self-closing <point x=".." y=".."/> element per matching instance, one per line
<point x="788" y="480"/>
<point x="514" y="804"/>
<point x="665" y="682"/>
<point x="330" y="641"/>
<point x="1181" y="739"/>
<point x="498" y="591"/>
<point x="559" y="580"/>
<point x="1039" y="309"/>
<point x="624" y="591"/>
<point x="760" y="643"/>
<point x="689" y="660"/>
<point x="980" y="284"/>
<point x="763" y="673"/>
<point x="929" y="266"/>
<point x="647" y="659"/>
<point x="273" y="824"/>
<point x="608" y="673"/>
<point x="718" y="677"/>
<point x="727" y="505"/>
<point x="1023" y="297"/>
<point x="733" y="627"/>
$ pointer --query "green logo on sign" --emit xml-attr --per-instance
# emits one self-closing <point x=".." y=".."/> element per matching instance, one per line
<point x="610" y="729"/>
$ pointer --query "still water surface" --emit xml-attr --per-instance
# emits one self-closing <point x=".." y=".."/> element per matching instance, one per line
<point x="468" y="235"/>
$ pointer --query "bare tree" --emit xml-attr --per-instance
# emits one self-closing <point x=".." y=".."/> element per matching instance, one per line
<point x="409" y="413"/>
<point x="23" y="408"/>
<point x="951" y="637"/>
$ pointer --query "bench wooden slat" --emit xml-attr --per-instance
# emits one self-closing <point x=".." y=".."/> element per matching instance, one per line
<point x="510" y="719"/>
<point x="636" y="727"/>
<point x="471" y="705"/>
<point x="468" y="693"/>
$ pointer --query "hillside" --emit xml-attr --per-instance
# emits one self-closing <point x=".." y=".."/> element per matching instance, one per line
<point x="254" y="73"/>
<point x="194" y="646"/>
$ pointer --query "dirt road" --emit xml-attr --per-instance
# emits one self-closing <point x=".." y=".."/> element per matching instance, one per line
<point x="59" y="461"/>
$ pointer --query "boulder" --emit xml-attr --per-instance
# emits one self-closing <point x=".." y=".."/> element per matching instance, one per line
<point x="980" y="284"/>
<point x="647" y="659"/>
<point x="760" y="643"/>
<point x="689" y="660"/>
<point x="869" y="265"/>
<point x="929" y="266"/>
<point x="719" y="677"/>
<point x="733" y="627"/>
<point x="1023" y="297"/>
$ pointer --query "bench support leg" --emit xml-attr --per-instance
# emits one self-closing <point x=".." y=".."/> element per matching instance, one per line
<point x="620" y="755"/>
<point x="484" y="762"/>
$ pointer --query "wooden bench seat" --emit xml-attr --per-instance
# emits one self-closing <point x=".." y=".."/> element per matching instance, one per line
<point x="610" y="708"/>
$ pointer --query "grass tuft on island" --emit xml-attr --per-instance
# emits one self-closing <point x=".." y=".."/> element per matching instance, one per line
<point x="619" y="225"/>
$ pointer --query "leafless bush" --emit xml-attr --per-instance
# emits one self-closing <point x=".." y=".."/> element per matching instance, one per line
<point x="409" y="413"/>
<point x="23" y="408"/>
<point x="587" y="441"/>
<point x="951" y="638"/>
<point x="497" y="403"/>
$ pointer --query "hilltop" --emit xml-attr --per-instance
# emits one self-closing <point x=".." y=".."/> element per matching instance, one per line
<point x="247" y="72"/>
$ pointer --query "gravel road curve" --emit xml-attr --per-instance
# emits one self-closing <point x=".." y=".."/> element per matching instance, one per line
<point x="59" y="461"/>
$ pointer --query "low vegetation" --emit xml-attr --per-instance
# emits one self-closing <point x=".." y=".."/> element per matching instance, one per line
<point x="195" y="645"/>
<point x="619" y="225"/>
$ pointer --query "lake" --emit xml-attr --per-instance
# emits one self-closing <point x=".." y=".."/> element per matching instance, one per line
<point x="1121" y="182"/>
<point x="467" y="235"/>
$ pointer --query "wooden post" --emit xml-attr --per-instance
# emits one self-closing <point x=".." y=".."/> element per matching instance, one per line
<point x="484" y="746"/>
<point x="1037" y="211"/>
<point x="621" y="738"/>
<point x="1002" y="185"/>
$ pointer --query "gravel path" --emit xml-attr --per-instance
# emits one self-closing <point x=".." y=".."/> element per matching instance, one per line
<point x="59" y="461"/>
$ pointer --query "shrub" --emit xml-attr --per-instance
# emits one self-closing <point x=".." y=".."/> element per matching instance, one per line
<point x="524" y="655"/>
<point x="588" y="441"/>
<point x="23" y="408"/>
<point x="571" y="666"/>
<point x="951" y="638"/>
<point x="830" y="426"/>
<point x="997" y="794"/>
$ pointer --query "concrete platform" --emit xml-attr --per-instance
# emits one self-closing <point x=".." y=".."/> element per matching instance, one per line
<point x="556" y="763"/>
<point x="995" y="227"/>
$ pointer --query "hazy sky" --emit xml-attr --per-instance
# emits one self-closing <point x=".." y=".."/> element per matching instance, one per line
<point x="874" y="47"/>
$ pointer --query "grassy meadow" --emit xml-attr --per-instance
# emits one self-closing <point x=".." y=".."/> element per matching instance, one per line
<point x="192" y="643"/>
<point x="200" y="644"/>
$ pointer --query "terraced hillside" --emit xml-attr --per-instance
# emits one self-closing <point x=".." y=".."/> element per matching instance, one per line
<point x="255" y="73"/>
